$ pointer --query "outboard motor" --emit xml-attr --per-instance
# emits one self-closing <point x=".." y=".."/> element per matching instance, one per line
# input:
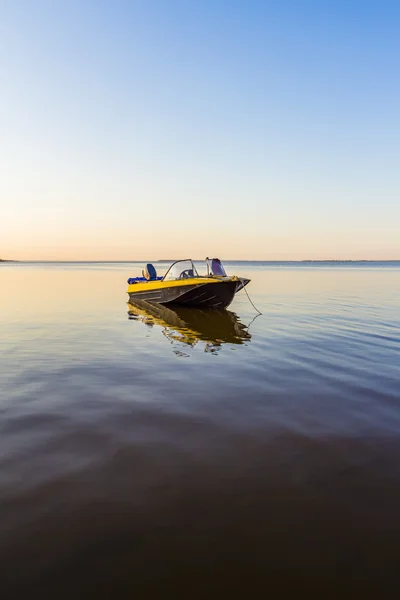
<point x="149" y="272"/>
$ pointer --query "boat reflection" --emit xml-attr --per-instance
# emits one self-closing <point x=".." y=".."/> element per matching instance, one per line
<point x="189" y="326"/>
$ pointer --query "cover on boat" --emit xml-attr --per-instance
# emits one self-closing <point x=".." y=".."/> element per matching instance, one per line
<point x="140" y="280"/>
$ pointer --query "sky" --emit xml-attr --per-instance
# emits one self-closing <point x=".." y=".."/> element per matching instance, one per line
<point x="155" y="129"/>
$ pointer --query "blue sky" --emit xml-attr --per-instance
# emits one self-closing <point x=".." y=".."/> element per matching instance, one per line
<point x="136" y="130"/>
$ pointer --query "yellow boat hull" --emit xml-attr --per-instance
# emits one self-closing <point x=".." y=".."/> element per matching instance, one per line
<point x="204" y="292"/>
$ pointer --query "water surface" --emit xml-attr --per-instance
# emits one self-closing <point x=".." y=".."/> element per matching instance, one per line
<point x="196" y="454"/>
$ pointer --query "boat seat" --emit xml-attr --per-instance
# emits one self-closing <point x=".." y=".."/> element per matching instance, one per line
<point x="150" y="273"/>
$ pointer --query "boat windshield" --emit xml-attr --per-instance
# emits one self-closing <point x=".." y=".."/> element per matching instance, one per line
<point x="215" y="267"/>
<point x="182" y="269"/>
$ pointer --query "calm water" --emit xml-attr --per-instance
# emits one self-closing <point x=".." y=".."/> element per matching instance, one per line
<point x="145" y="453"/>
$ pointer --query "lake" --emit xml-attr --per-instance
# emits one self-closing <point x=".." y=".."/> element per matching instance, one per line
<point x="191" y="454"/>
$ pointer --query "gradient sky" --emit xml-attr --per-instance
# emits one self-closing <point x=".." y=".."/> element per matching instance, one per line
<point x="160" y="129"/>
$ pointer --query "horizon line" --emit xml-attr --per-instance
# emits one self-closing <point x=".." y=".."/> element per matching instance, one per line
<point x="309" y="260"/>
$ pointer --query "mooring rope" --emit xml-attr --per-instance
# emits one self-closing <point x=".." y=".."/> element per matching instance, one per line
<point x="251" y="302"/>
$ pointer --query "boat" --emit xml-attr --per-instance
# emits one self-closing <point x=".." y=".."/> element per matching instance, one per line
<point x="190" y="326"/>
<point x="183" y="285"/>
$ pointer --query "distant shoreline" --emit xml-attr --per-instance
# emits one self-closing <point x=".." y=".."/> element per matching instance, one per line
<point x="227" y="260"/>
